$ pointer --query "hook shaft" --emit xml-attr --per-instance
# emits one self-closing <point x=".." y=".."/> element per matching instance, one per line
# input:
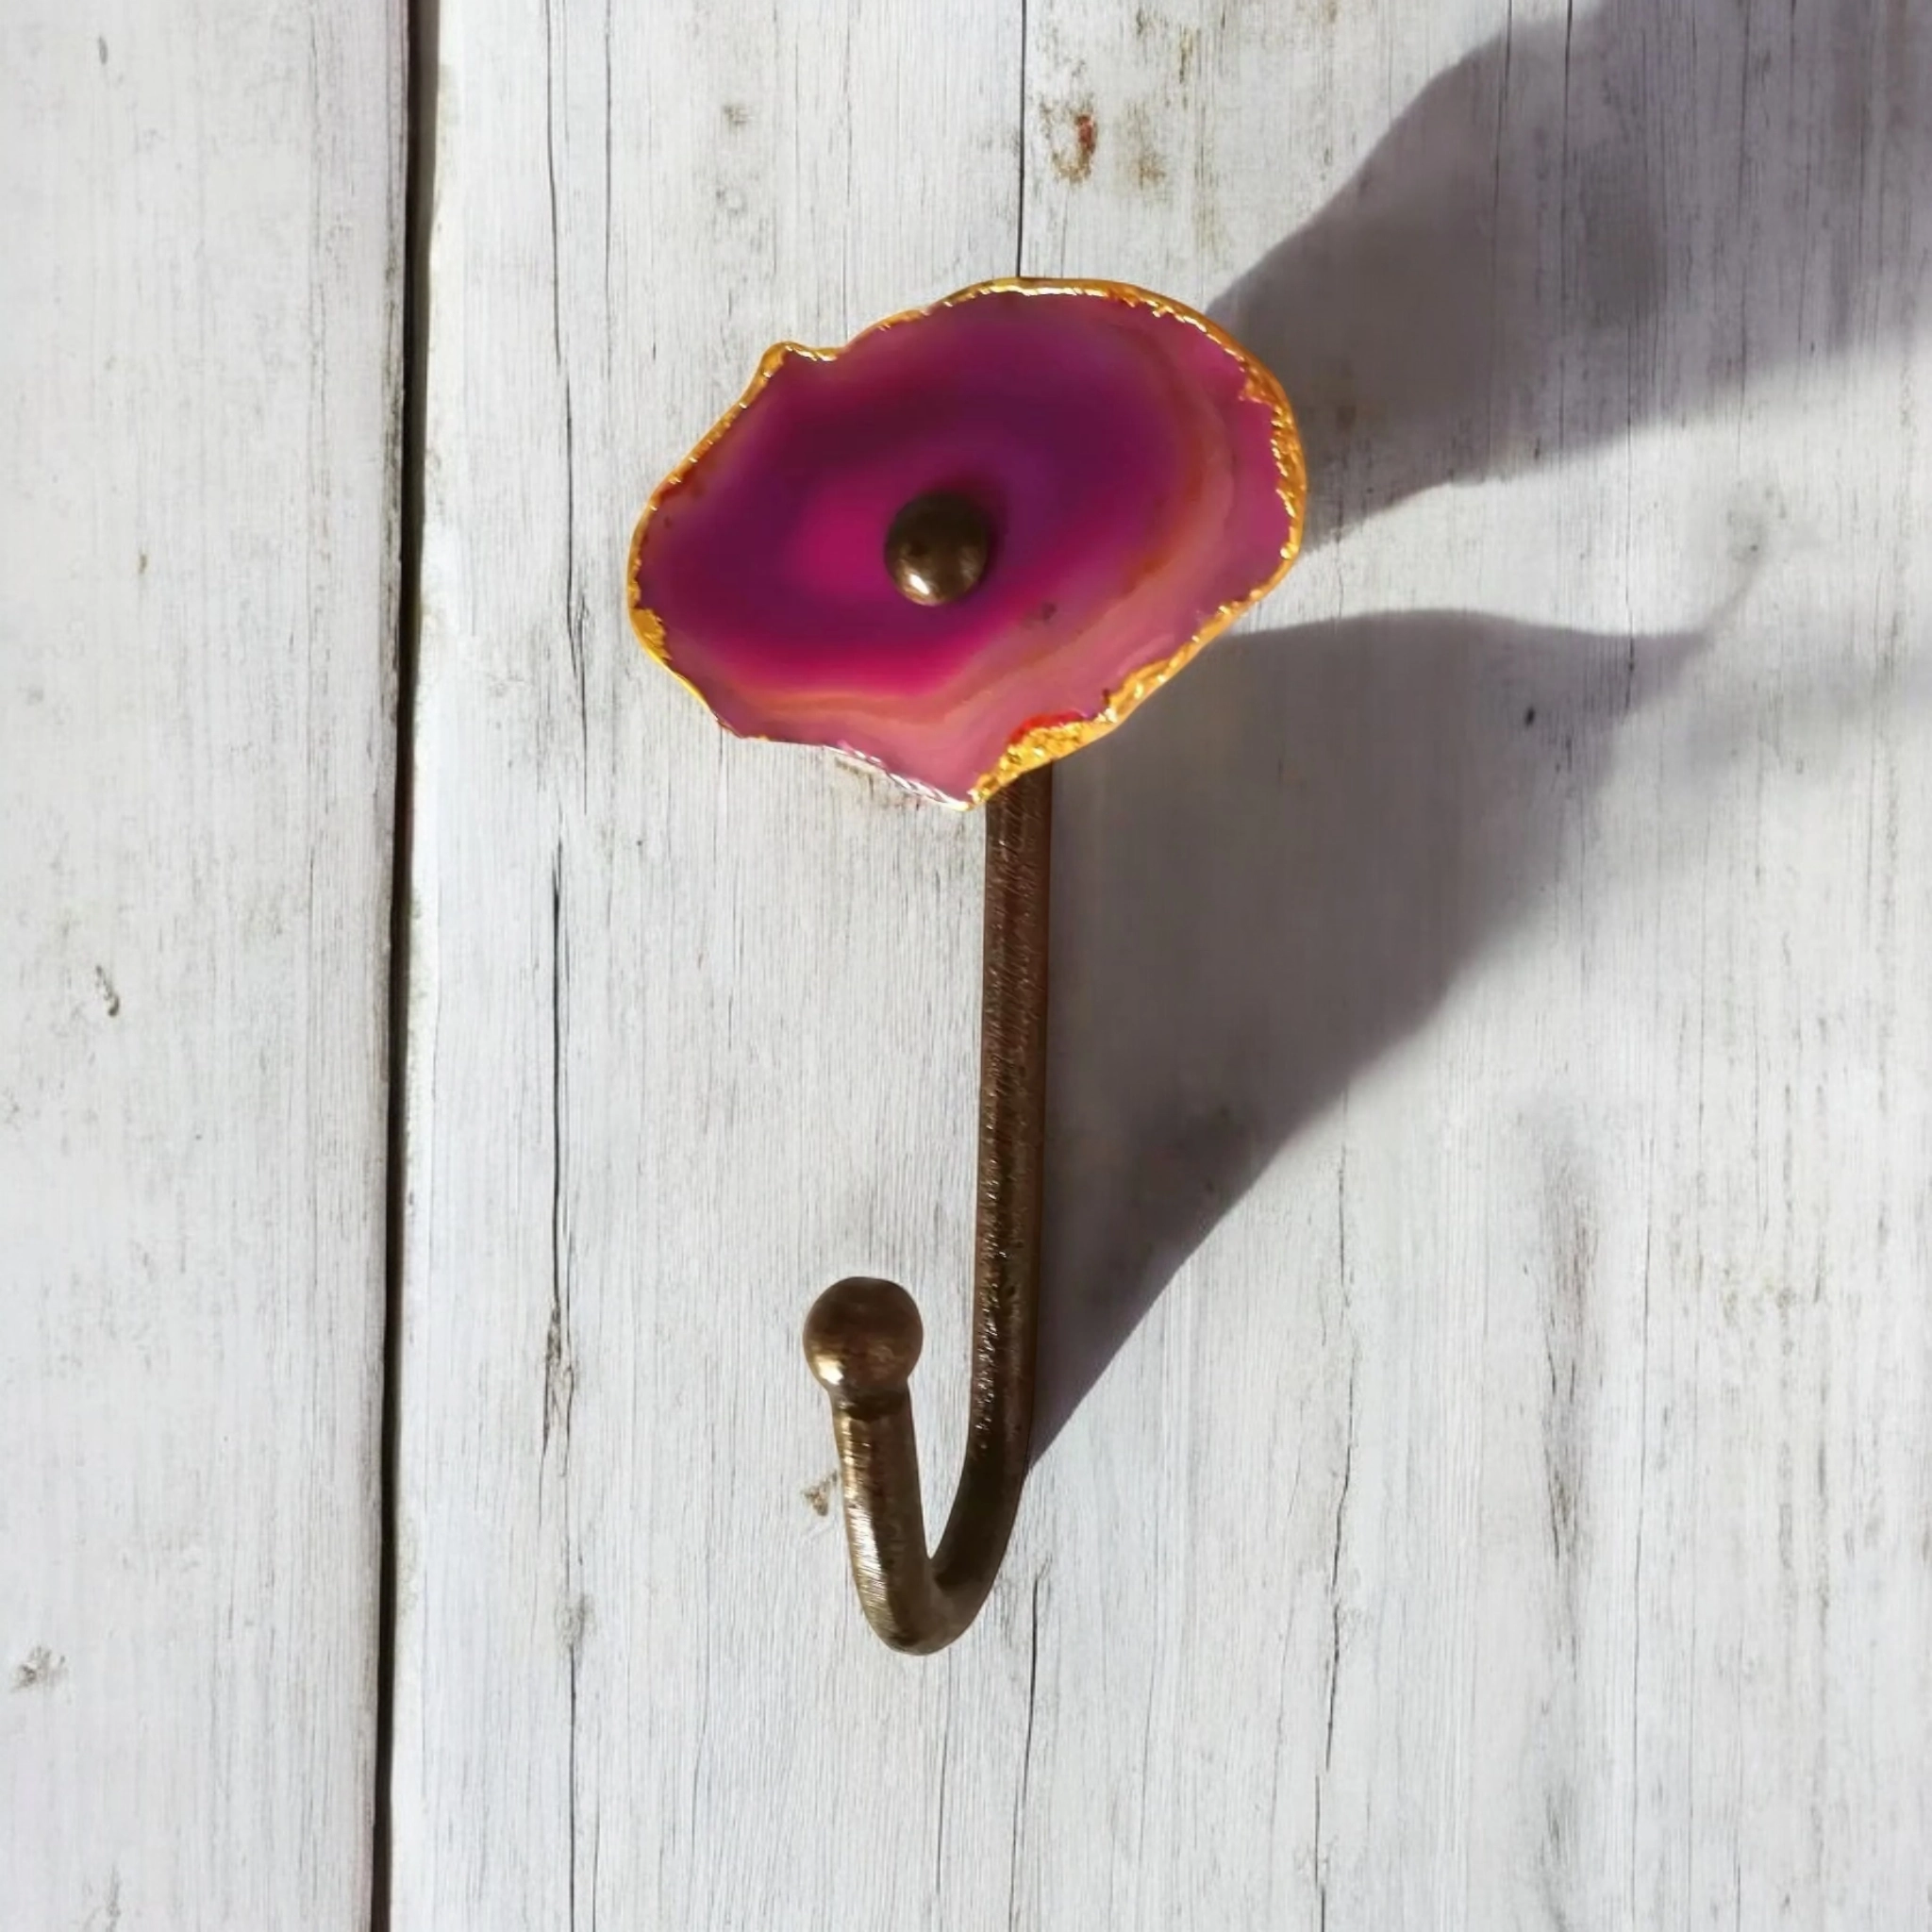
<point x="862" y="1337"/>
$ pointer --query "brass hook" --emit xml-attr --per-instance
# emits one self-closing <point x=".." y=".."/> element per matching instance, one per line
<point x="862" y="1337"/>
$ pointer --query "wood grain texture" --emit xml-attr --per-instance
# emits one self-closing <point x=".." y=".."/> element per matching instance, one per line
<point x="705" y="1007"/>
<point x="198" y="387"/>
<point x="1488" y="1341"/>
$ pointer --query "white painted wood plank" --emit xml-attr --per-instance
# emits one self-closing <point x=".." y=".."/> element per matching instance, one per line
<point x="692" y="1021"/>
<point x="198" y="389"/>
<point x="1489" y="1341"/>
<point x="1536" y="1455"/>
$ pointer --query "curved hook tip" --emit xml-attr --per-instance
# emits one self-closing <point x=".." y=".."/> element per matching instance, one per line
<point x="862" y="1338"/>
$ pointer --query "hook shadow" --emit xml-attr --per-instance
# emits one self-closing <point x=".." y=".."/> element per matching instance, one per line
<point x="1591" y="224"/>
<point x="1279" y="871"/>
<point x="1271" y="877"/>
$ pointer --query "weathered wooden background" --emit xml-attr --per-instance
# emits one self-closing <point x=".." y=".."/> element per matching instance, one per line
<point x="200" y="315"/>
<point x="1489" y="1376"/>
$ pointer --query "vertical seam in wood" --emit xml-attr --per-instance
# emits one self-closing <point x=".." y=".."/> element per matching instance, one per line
<point x="1025" y="1759"/>
<point x="420" y="46"/>
<point x="575" y="606"/>
<point x="1020" y="211"/>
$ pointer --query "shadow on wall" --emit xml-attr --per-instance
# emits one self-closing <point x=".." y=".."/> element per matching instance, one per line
<point x="1275" y="872"/>
<point x="1577" y="231"/>
<point x="1257" y="899"/>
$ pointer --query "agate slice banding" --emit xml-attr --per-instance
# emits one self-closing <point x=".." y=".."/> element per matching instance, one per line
<point x="1134" y="475"/>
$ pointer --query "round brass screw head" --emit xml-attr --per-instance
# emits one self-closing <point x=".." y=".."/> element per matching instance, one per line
<point x="862" y="1337"/>
<point x="938" y="548"/>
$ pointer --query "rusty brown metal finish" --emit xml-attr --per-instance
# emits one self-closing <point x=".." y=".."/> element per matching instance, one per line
<point x="862" y="1337"/>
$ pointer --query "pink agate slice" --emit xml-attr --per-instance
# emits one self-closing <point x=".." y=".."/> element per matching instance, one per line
<point x="1142" y="482"/>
